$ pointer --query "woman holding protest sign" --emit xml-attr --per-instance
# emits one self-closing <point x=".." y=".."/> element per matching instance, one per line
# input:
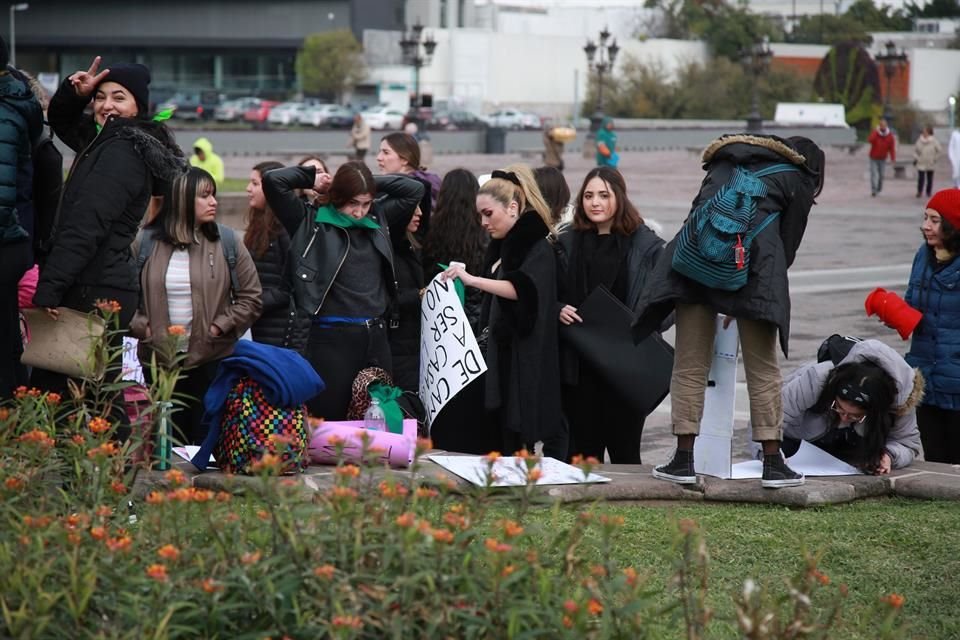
<point x="519" y="280"/>
<point x="608" y="246"/>
<point x="343" y="271"/>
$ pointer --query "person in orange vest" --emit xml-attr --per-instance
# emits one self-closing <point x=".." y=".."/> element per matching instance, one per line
<point x="882" y="144"/>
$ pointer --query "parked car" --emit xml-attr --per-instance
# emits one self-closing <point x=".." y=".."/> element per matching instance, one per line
<point x="233" y="110"/>
<point x="286" y="113"/>
<point x="331" y="116"/>
<point x="194" y="105"/>
<point x="383" y="117"/>
<point x="514" y="119"/>
<point x="456" y="120"/>
<point x="257" y="116"/>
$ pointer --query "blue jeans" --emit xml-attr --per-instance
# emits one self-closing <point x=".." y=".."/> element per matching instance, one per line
<point x="876" y="175"/>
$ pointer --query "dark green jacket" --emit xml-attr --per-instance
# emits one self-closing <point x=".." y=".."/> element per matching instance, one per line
<point x="21" y="120"/>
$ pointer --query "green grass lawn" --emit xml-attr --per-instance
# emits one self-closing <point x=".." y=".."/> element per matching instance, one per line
<point x="875" y="547"/>
<point x="233" y="185"/>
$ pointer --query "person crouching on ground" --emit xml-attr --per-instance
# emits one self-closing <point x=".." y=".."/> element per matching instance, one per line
<point x="862" y="411"/>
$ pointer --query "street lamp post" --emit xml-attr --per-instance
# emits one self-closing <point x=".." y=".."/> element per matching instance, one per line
<point x="20" y="6"/>
<point x="891" y="59"/>
<point x="600" y="58"/>
<point x="418" y="54"/>
<point x="756" y="60"/>
<point x="952" y="110"/>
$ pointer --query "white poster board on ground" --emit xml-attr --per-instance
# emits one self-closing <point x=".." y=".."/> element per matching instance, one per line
<point x="450" y="357"/>
<point x="713" y="450"/>
<point x="810" y="460"/>
<point x="511" y="471"/>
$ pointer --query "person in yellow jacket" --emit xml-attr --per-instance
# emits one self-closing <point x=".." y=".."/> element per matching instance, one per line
<point x="204" y="158"/>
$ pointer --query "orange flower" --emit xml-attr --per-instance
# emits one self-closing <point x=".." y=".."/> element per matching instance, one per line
<point x="686" y="525"/>
<point x="594" y="607"/>
<point x="169" y="552"/>
<point x="38" y="437"/>
<point x="392" y="490"/>
<point x="335" y="441"/>
<point x="203" y="495"/>
<point x="224" y="496"/>
<point x="895" y="600"/>
<point x="118" y="487"/>
<point x="104" y="450"/>
<point x="496" y="546"/>
<point x="325" y="571"/>
<point x="41" y="522"/>
<point x="423" y="445"/>
<point x="427" y="492"/>
<point x="348" y="471"/>
<point x="99" y="425"/>
<point x="263" y="515"/>
<point x="4" y="413"/>
<point x="598" y="571"/>
<point x="820" y="577"/>
<point x="570" y="606"/>
<point x="507" y="570"/>
<point x="493" y="456"/>
<point x="511" y="529"/>
<point x="73" y="538"/>
<point x="268" y="464"/>
<point x="103" y="511"/>
<point x="155" y="497"/>
<point x="443" y="535"/>
<point x="632" y="576"/>
<point x="120" y="543"/>
<point x="14" y="483"/>
<point x="251" y="557"/>
<point x="455" y="520"/>
<point x="523" y="454"/>
<point x="342" y="493"/>
<point x="209" y="585"/>
<point x="158" y="572"/>
<point x="77" y="439"/>
<point x="346" y="622"/>
<point x="175" y="477"/>
<point x="74" y="520"/>
<point x="108" y="306"/>
<point x="176" y="330"/>
<point x="406" y="520"/>
<point x="98" y="533"/>
<point x="231" y="517"/>
<point x="567" y="622"/>
<point x="53" y="399"/>
<point x="611" y="521"/>
<point x="534" y="475"/>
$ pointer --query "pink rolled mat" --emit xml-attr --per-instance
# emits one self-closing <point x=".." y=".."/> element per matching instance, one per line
<point x="397" y="447"/>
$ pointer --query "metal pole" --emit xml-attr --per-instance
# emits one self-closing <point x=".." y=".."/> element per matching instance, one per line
<point x="13" y="36"/>
<point x="599" y="89"/>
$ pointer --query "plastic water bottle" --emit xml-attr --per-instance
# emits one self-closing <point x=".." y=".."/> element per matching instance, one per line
<point x="374" y="419"/>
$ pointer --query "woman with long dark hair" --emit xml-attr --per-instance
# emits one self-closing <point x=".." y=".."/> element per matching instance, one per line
<point x="269" y="245"/>
<point x="519" y="280"/>
<point x="610" y="246"/>
<point x="187" y="281"/>
<point x="935" y="344"/>
<point x="343" y="271"/>
<point x="863" y="410"/>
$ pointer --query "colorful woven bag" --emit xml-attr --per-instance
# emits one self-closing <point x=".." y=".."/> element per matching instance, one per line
<point x="251" y="427"/>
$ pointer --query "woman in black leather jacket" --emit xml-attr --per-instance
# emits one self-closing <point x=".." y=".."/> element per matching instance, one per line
<point x="343" y="271"/>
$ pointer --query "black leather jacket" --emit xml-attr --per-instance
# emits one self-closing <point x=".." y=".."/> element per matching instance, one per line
<point x="319" y="250"/>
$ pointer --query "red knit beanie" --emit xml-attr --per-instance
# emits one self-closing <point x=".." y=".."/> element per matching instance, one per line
<point x="947" y="204"/>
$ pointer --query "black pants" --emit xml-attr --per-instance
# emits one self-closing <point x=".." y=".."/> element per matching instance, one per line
<point x="599" y="420"/>
<point x="16" y="261"/>
<point x="83" y="299"/>
<point x="190" y="389"/>
<point x="338" y="353"/>
<point x="921" y="176"/>
<point x="939" y="433"/>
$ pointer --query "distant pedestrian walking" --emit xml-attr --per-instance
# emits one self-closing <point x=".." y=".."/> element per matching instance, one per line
<point x="607" y="155"/>
<point x="926" y="152"/>
<point x="204" y="158"/>
<point x="953" y="151"/>
<point x="360" y="137"/>
<point x="552" y="148"/>
<point x="882" y="144"/>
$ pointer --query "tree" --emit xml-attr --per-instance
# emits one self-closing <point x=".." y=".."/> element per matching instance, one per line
<point x="934" y="9"/>
<point x="828" y="29"/>
<point x="726" y="28"/>
<point x="330" y="63"/>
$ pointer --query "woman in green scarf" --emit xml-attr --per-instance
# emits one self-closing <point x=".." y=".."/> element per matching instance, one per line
<point x="607" y="155"/>
<point x="342" y="269"/>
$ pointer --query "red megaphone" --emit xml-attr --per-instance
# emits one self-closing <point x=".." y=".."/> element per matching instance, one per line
<point x="893" y="311"/>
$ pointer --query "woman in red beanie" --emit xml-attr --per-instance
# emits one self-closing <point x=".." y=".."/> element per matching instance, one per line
<point x="933" y="290"/>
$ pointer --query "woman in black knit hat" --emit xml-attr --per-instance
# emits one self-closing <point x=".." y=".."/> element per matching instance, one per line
<point x="124" y="157"/>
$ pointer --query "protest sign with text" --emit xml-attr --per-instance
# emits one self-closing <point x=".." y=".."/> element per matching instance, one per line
<point x="450" y="357"/>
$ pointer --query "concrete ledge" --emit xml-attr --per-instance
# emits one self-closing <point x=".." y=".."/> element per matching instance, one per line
<point x="811" y="493"/>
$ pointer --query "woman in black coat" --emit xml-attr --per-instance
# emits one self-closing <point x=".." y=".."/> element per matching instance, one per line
<point x="608" y="245"/>
<point x="761" y="307"/>
<point x="268" y="242"/>
<point x="123" y="158"/>
<point x="519" y="280"/>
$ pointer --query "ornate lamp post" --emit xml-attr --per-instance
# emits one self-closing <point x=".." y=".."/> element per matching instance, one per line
<point x="756" y="60"/>
<point x="892" y="60"/>
<point x="417" y="53"/>
<point x="20" y="6"/>
<point x="600" y="58"/>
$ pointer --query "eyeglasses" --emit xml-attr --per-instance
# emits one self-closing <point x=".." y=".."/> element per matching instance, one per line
<point x="846" y="416"/>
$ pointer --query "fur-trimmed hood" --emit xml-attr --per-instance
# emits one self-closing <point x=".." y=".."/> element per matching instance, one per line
<point x="163" y="161"/>
<point x="527" y="231"/>
<point x="772" y="143"/>
<point x="909" y="381"/>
